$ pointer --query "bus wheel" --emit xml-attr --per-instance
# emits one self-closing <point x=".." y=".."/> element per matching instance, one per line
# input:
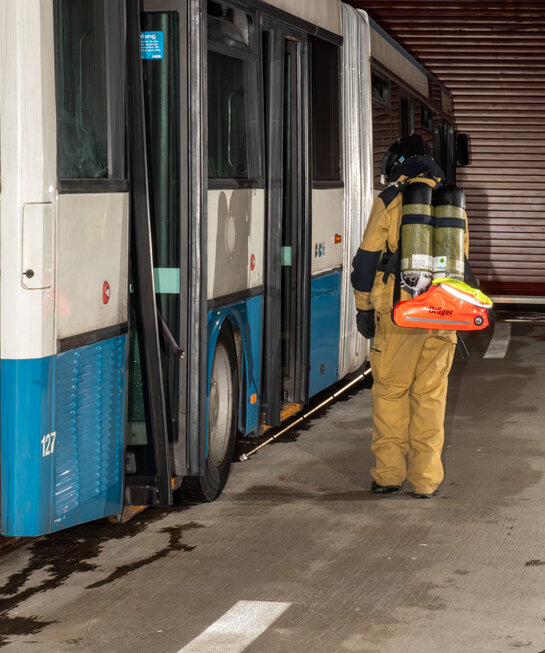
<point x="222" y="422"/>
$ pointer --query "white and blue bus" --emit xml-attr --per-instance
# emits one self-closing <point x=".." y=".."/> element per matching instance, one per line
<point x="184" y="184"/>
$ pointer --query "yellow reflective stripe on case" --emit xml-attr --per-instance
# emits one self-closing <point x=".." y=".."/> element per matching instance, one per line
<point x="461" y="290"/>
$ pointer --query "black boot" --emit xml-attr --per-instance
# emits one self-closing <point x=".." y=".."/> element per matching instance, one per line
<point x="384" y="489"/>
<point x="419" y="495"/>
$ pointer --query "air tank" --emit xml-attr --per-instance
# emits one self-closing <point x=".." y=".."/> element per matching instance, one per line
<point x="417" y="238"/>
<point x="450" y="216"/>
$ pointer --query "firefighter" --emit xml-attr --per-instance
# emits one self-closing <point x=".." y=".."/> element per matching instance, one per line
<point x="410" y="366"/>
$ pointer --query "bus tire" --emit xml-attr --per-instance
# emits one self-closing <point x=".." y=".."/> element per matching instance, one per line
<point x="223" y="395"/>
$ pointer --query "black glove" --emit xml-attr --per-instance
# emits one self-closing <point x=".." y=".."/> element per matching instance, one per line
<point x="366" y="323"/>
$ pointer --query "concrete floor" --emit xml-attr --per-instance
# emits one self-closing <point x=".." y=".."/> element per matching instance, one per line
<point x="463" y="572"/>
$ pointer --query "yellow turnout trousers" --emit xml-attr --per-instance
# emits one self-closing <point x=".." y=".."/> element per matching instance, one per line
<point x="410" y="369"/>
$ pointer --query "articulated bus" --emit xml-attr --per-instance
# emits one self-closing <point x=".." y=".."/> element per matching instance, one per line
<point x="184" y="184"/>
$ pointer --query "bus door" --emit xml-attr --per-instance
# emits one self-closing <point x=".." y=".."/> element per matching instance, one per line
<point x="163" y="39"/>
<point x="286" y="326"/>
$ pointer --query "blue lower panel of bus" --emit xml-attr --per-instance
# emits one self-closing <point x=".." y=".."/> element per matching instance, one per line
<point x="247" y="316"/>
<point x="62" y="430"/>
<point x="325" y="311"/>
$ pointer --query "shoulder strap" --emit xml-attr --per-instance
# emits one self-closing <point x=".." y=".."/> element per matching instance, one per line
<point x="397" y="282"/>
<point x="389" y="263"/>
<point x="390" y="260"/>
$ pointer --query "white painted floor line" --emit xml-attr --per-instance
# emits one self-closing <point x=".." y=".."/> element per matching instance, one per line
<point x="237" y="628"/>
<point x="500" y="341"/>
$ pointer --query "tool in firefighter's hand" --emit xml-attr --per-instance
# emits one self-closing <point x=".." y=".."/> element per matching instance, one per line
<point x="448" y="304"/>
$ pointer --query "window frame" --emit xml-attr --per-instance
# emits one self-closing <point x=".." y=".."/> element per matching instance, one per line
<point x="115" y="69"/>
<point x="405" y="97"/>
<point x="332" y="182"/>
<point x="251" y="54"/>
<point x="426" y="111"/>
<point x="375" y="98"/>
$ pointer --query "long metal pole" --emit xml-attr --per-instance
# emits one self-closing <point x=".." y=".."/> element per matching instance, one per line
<point x="245" y="456"/>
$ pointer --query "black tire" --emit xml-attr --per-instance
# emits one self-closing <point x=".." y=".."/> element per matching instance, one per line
<point x="222" y="422"/>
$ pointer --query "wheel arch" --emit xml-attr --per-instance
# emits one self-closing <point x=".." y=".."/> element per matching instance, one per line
<point x="237" y="317"/>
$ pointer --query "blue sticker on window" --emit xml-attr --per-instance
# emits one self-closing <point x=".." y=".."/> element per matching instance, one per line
<point x="151" y="44"/>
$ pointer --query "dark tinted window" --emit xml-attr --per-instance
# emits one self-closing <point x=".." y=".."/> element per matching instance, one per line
<point x="233" y="100"/>
<point x="382" y="138"/>
<point x="233" y="129"/>
<point x="406" y="116"/>
<point x="381" y="89"/>
<point x="325" y="111"/>
<point x="426" y="118"/>
<point x="88" y="56"/>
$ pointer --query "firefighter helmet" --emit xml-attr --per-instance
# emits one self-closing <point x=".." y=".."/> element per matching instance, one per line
<point x="402" y="149"/>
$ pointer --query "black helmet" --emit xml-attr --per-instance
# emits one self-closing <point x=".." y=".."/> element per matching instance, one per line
<point x="402" y="149"/>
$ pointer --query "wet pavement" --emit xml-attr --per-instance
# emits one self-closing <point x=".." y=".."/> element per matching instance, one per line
<point x="321" y="564"/>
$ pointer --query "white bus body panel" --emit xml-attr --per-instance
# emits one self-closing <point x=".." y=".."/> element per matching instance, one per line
<point x="327" y="222"/>
<point x="37" y="246"/>
<point x="322" y="13"/>
<point x="93" y="236"/>
<point x="393" y="57"/>
<point x="236" y="221"/>
<point x="27" y="126"/>
<point x="358" y="173"/>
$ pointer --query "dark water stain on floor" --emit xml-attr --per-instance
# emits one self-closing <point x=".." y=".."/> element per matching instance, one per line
<point x="462" y="572"/>
<point x="275" y="494"/>
<point x="362" y="425"/>
<point x="352" y="495"/>
<point x="175" y="535"/>
<point x="62" y="554"/>
<point x="20" y="626"/>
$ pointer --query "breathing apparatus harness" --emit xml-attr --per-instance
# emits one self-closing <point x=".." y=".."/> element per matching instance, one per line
<point x="445" y="301"/>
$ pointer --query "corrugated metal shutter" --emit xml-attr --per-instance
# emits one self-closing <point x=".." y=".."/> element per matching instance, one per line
<point x="492" y="58"/>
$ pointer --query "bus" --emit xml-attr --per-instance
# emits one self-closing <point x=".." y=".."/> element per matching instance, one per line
<point x="184" y="184"/>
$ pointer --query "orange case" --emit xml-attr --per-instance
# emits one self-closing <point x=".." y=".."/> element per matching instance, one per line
<point x="438" y="309"/>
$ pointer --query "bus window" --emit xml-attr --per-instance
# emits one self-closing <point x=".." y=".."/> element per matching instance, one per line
<point x="89" y="96"/>
<point x="325" y="111"/>
<point x="381" y="90"/>
<point x="232" y="120"/>
<point x="384" y="95"/>
<point x="423" y="119"/>
<point x="233" y="102"/>
<point x="426" y="119"/>
<point x="406" y="116"/>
